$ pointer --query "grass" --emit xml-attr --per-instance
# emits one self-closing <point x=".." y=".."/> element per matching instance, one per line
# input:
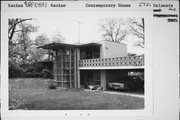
<point x="33" y="94"/>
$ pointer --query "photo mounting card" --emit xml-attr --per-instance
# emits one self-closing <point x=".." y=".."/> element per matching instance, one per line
<point x="89" y="60"/>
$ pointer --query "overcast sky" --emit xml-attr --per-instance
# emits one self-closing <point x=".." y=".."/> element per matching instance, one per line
<point x="66" y="23"/>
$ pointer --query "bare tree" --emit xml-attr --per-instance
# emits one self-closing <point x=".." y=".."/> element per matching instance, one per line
<point x="116" y="30"/>
<point x="136" y="27"/>
<point x="112" y="29"/>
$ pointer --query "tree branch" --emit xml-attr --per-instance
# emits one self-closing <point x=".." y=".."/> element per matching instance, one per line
<point x="13" y="27"/>
<point x="140" y="45"/>
<point x="122" y="38"/>
<point x="19" y="31"/>
<point x="140" y="35"/>
<point x="12" y="32"/>
<point x="23" y="20"/>
<point x="138" y="24"/>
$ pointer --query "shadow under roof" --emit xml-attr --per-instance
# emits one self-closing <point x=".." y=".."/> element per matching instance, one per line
<point x="54" y="46"/>
<point x="90" y="44"/>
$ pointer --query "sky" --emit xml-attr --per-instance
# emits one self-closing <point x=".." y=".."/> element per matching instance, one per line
<point x="67" y="24"/>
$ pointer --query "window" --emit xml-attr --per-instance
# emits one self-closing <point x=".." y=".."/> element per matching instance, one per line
<point x="60" y="52"/>
<point x="67" y="52"/>
<point x="83" y="55"/>
<point x="65" y="67"/>
<point x="97" y="54"/>
<point x="65" y="71"/>
<point x="66" y="58"/>
<point x="97" y="77"/>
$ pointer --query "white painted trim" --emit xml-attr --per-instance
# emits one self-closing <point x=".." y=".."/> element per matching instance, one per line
<point x="111" y="67"/>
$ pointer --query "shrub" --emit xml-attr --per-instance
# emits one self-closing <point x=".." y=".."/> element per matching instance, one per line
<point x="47" y="73"/>
<point x="14" y="103"/>
<point x="14" y="70"/>
<point x="52" y="84"/>
<point x="31" y="70"/>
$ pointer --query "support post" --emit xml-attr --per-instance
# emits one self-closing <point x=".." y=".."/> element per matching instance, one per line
<point x="70" y="81"/>
<point x="79" y="85"/>
<point x="55" y="67"/>
<point x="103" y="79"/>
<point x="77" y="69"/>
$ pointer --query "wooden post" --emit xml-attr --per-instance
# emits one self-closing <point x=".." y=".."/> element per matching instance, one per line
<point x="75" y="68"/>
<point x="55" y="67"/>
<point x="78" y="71"/>
<point x="62" y="66"/>
<point x="103" y="79"/>
<point x="70" y="81"/>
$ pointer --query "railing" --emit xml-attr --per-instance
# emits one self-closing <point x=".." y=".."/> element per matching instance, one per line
<point x="119" y="61"/>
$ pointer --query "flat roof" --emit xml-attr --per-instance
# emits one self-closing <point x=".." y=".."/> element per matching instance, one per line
<point x="60" y="45"/>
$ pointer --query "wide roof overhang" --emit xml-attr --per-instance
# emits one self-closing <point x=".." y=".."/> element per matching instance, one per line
<point x="55" y="46"/>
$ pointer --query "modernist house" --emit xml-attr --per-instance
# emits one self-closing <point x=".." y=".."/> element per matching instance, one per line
<point x="76" y="65"/>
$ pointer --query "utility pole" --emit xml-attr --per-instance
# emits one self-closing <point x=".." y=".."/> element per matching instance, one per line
<point x="79" y="27"/>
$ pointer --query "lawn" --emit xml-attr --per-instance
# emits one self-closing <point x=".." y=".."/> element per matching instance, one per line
<point x="33" y="94"/>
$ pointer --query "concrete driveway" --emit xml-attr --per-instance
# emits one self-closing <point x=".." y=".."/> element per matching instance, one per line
<point x="138" y="93"/>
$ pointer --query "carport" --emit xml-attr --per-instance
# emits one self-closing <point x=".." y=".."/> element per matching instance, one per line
<point x="115" y="75"/>
<point x="102" y="77"/>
